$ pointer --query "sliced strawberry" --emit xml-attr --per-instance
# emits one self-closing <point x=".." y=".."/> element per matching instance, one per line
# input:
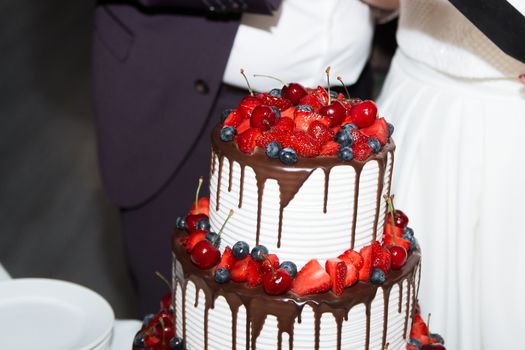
<point x="336" y="268"/>
<point x="313" y="101"/>
<point x="361" y="151"/>
<point x="288" y="113"/>
<point x="359" y="137"/>
<point x="379" y="130"/>
<point x="234" y="118"/>
<point x="389" y="240"/>
<point x="380" y="257"/>
<point x="247" y="105"/>
<point x="271" y="261"/>
<point x="239" y="270"/>
<point x="322" y="94"/>
<point x="243" y="126"/>
<point x="352" y="257"/>
<point x="329" y="149"/>
<point x="254" y="276"/>
<point x="304" y="144"/>
<point x="312" y="279"/>
<point x="419" y="328"/>
<point x="321" y="132"/>
<point x="194" y="238"/>
<point x="270" y="136"/>
<point x="203" y="205"/>
<point x="352" y="274"/>
<point x="303" y="119"/>
<point x="398" y="231"/>
<point x="227" y="259"/>
<point x="366" y="270"/>
<point x="281" y="103"/>
<point x="247" y="140"/>
<point x="284" y="124"/>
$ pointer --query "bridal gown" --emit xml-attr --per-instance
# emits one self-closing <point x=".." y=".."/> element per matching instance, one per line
<point x="458" y="109"/>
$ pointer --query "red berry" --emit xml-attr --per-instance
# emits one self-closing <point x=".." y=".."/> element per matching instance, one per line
<point x="312" y="279"/>
<point x="227" y="259"/>
<point x="433" y="347"/>
<point x="321" y="132"/>
<point x="363" y="114"/>
<point x="205" y="255"/>
<point x="263" y="117"/>
<point x="254" y="274"/>
<point x="329" y="149"/>
<point x="321" y="93"/>
<point x="352" y="257"/>
<point x="276" y="282"/>
<point x="194" y="238"/>
<point x="312" y="101"/>
<point x="303" y="119"/>
<point x="361" y="151"/>
<point x="352" y="274"/>
<point x="165" y="301"/>
<point x="359" y="137"/>
<point x="284" y="124"/>
<point x="293" y="92"/>
<point x="247" y="140"/>
<point x="336" y="268"/>
<point x="192" y="219"/>
<point x="380" y="257"/>
<point x="270" y="263"/>
<point x="239" y="270"/>
<point x="366" y="270"/>
<point x="389" y="240"/>
<point x="247" y="105"/>
<point x="335" y="111"/>
<point x="304" y="144"/>
<point x="203" y="205"/>
<point x="398" y="256"/>
<point x="281" y="103"/>
<point x="234" y="118"/>
<point x="379" y="130"/>
<point x="400" y="219"/>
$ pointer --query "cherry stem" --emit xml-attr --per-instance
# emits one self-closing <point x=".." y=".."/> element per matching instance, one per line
<point x="327" y="71"/>
<point x="344" y="87"/>
<point x="266" y="258"/>
<point x="267" y="123"/>
<point x="247" y="82"/>
<point x="197" y="196"/>
<point x="428" y="327"/>
<point x="391" y="210"/>
<point x="163" y="279"/>
<point x="230" y="214"/>
<point x="270" y="77"/>
<point x="163" y="332"/>
<point x="386" y="346"/>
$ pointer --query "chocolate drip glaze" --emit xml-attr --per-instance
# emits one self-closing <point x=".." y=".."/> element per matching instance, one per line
<point x="290" y="178"/>
<point x="288" y="307"/>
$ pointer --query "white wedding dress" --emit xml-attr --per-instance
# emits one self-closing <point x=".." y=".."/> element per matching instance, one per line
<point x="459" y="112"/>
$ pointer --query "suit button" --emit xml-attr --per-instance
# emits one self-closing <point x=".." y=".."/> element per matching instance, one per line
<point x="201" y="86"/>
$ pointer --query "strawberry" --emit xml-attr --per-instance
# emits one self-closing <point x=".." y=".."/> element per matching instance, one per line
<point x="329" y="149"/>
<point x="203" y="205"/>
<point x="359" y="137"/>
<point x="271" y="261"/>
<point x="350" y="256"/>
<point x="389" y="240"/>
<point x="281" y="103"/>
<point x="234" y="118"/>
<point x="284" y="124"/>
<point x="239" y="270"/>
<point x="243" y="126"/>
<point x="311" y="100"/>
<point x="364" y="272"/>
<point x="379" y="130"/>
<point x="194" y="238"/>
<point x="247" y="140"/>
<point x="380" y="257"/>
<point x="304" y="144"/>
<point x="288" y="113"/>
<point x="312" y="279"/>
<point x="321" y="132"/>
<point x="322" y="94"/>
<point x="227" y="259"/>
<point x="352" y="274"/>
<point x="254" y="274"/>
<point x="247" y="105"/>
<point x="361" y="151"/>
<point x="303" y="119"/>
<point x="419" y="328"/>
<point x="398" y="231"/>
<point x="272" y="135"/>
<point x="336" y="268"/>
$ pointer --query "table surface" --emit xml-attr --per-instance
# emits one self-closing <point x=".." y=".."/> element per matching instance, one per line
<point x="123" y="330"/>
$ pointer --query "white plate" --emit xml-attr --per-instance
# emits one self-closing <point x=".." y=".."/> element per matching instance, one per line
<point x="50" y="314"/>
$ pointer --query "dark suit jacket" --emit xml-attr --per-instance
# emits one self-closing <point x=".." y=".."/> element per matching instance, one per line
<point x="157" y="67"/>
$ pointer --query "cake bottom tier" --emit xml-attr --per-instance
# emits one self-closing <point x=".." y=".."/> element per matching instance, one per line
<point x="213" y="316"/>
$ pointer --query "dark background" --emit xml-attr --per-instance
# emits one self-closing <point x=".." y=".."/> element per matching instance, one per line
<point x="55" y="220"/>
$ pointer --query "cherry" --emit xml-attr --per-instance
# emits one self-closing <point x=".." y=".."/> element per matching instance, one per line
<point x="433" y="347"/>
<point x="363" y="114"/>
<point x="398" y="256"/>
<point x="400" y="219"/>
<point x="192" y="220"/>
<point x="276" y="282"/>
<point x="165" y="301"/>
<point x="293" y="92"/>
<point x="152" y="340"/>
<point x="335" y="111"/>
<point x="205" y="255"/>
<point x="264" y="117"/>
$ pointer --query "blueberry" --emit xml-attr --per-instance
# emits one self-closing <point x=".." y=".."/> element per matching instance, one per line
<point x="214" y="239"/>
<point x="409" y="231"/>
<point x="273" y="149"/>
<point x="259" y="252"/>
<point x="240" y="250"/>
<point x="138" y="341"/>
<point x="344" y="138"/>
<point x="333" y="94"/>
<point x="180" y="223"/>
<point x="290" y="267"/>
<point x="304" y="108"/>
<point x="228" y="133"/>
<point x="225" y="114"/>
<point x="176" y="343"/>
<point x="374" y="144"/>
<point x="346" y="154"/>
<point x="222" y="275"/>
<point x="438" y="338"/>
<point x="203" y="224"/>
<point x="275" y="93"/>
<point x="349" y="127"/>
<point x="390" y="129"/>
<point x="415" y="342"/>
<point x="277" y="112"/>
<point x="377" y="276"/>
<point x="288" y="156"/>
<point x="147" y="319"/>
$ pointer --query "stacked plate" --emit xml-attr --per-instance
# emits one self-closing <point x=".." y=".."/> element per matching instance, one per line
<point x="49" y="314"/>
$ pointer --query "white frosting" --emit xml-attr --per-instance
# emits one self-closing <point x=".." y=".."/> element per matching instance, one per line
<point x="307" y="232"/>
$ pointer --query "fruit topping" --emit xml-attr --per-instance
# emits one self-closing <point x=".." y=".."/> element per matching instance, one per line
<point x="320" y="132"/>
<point x="227" y="259"/>
<point x="374" y="144"/>
<point x="204" y="255"/>
<point x="259" y="253"/>
<point x="290" y="267"/>
<point x="233" y="119"/>
<point x="361" y="151"/>
<point x="203" y="224"/>
<point x="346" y="153"/>
<point x="363" y="114"/>
<point x="180" y="223"/>
<point x="365" y="271"/>
<point x="273" y="149"/>
<point x="377" y="276"/>
<point x="311" y="279"/>
<point x="344" y="137"/>
<point x="288" y="156"/>
<point x="240" y="250"/>
<point x="194" y="238"/>
<point x="239" y="270"/>
<point x="202" y="207"/>
<point x="247" y="105"/>
<point x="330" y="148"/>
<point x="222" y="275"/>
<point x="227" y="133"/>
<point x="247" y="140"/>
<point x="336" y="268"/>
<point x="335" y="111"/>
<point x="271" y="262"/>
<point x="264" y="117"/>
<point x="293" y="92"/>
<point x="254" y="273"/>
<point x="276" y="282"/>
<point x="379" y="130"/>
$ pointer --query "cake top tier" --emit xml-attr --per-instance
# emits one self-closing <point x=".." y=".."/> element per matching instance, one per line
<point x="295" y="123"/>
